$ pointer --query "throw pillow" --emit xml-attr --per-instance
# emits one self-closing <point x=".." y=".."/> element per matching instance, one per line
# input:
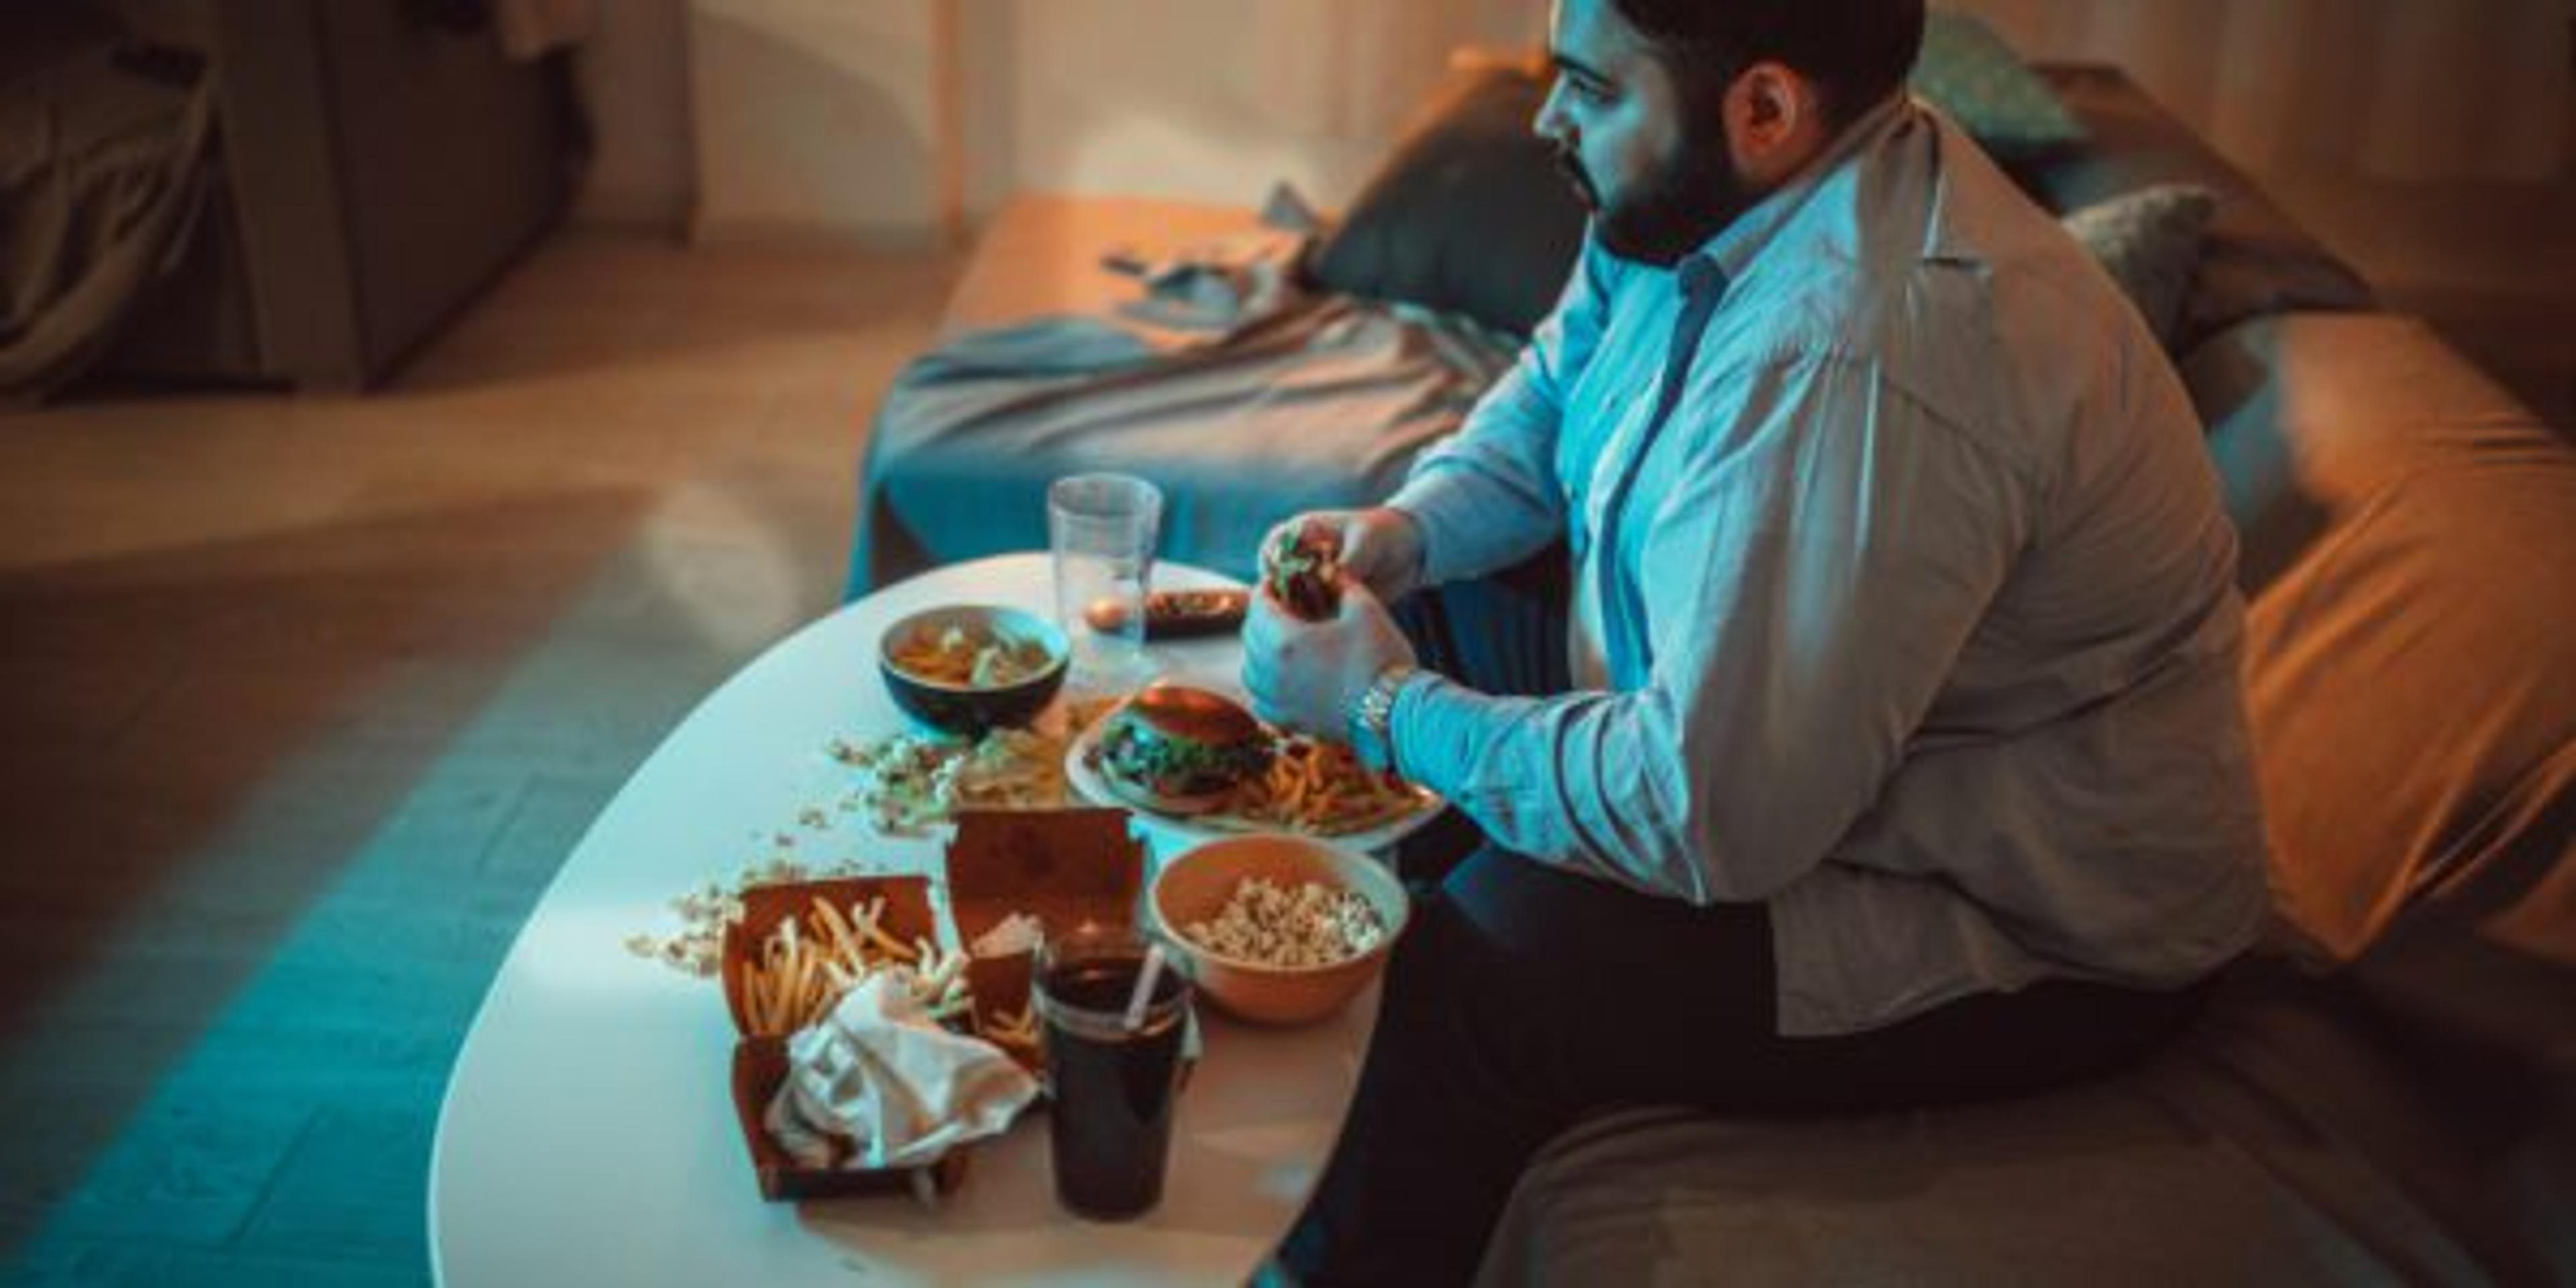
<point x="1468" y="215"/>
<point x="1969" y="72"/>
<point x="2149" y="241"/>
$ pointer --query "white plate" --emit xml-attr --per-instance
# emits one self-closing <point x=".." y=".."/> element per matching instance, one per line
<point x="1087" y="783"/>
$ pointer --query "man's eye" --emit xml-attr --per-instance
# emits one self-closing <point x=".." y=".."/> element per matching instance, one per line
<point x="1582" y="90"/>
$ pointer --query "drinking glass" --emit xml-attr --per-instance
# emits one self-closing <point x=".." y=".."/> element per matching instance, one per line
<point x="1110" y="1123"/>
<point x="1102" y="528"/>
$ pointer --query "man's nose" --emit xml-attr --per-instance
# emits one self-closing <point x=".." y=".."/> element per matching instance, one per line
<point x="1551" y="123"/>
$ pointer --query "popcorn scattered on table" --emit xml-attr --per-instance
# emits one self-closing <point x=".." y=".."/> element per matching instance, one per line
<point x="698" y="949"/>
<point x="1269" y="924"/>
<point x="907" y="783"/>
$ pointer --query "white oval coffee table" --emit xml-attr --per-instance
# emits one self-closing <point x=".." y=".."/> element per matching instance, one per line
<point x="587" y="1137"/>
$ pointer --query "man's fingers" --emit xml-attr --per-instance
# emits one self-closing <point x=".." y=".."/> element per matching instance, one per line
<point x="1269" y="645"/>
<point x="1270" y="627"/>
<point x="1266" y="600"/>
<point x="1364" y="565"/>
<point x="1377" y="555"/>
<point x="1264" y="624"/>
<point x="1358" y="599"/>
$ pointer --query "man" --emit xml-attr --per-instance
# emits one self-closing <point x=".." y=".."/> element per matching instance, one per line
<point x="1904" y="761"/>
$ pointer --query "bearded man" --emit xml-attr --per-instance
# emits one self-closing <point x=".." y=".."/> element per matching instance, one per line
<point x="1902" y="758"/>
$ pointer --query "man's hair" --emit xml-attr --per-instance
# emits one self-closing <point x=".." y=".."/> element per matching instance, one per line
<point x="1856" y="51"/>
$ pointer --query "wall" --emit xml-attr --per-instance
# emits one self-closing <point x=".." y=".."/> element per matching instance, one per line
<point x="753" y="118"/>
<point x="824" y="115"/>
<point x="634" y="74"/>
<point x="813" y="117"/>
<point x="1212" y="100"/>
<point x="2402" y="90"/>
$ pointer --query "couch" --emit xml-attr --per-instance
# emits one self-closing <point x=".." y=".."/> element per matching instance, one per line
<point x="2386" y="1090"/>
<point x="261" y="191"/>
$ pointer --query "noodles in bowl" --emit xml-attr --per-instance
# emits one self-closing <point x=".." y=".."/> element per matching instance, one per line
<point x="969" y="668"/>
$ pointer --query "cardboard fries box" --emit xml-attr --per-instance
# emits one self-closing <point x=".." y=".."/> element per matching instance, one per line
<point x="1065" y="867"/>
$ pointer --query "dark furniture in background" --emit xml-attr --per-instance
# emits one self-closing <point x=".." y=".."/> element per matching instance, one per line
<point x="375" y="165"/>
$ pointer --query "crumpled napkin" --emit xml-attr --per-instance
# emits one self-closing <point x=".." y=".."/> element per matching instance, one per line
<point x="881" y="1072"/>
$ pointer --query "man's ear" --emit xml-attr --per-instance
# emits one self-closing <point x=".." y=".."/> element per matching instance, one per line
<point x="1774" y="122"/>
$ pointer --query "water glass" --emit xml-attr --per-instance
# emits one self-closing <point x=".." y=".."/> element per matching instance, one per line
<point x="1103" y="529"/>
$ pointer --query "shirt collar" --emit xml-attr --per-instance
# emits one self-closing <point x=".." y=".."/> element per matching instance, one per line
<point x="1733" y="248"/>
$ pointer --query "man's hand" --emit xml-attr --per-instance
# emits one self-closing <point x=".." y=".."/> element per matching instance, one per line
<point x="1381" y="547"/>
<point x="1304" y="676"/>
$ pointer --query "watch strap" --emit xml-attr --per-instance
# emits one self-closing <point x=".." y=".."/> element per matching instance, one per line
<point x="1372" y="717"/>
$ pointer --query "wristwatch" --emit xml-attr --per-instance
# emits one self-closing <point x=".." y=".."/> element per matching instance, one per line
<point x="1372" y="717"/>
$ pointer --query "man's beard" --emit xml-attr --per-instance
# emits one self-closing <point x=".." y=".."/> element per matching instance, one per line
<point x="1674" y="209"/>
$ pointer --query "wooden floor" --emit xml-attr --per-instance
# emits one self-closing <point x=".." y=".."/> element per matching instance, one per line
<point x="307" y="697"/>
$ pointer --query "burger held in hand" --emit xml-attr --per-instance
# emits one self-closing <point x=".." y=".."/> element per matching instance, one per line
<point x="1302" y="568"/>
<point x="1180" y="750"/>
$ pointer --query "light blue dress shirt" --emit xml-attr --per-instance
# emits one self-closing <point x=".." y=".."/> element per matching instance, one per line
<point x="1911" y="595"/>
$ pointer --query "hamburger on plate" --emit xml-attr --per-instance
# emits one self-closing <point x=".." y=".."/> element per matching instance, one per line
<point x="1180" y="750"/>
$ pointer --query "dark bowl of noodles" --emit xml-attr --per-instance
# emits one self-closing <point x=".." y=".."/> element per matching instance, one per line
<point x="969" y="668"/>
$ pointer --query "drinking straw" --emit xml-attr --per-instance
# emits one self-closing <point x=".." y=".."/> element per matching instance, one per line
<point x="1135" y="1017"/>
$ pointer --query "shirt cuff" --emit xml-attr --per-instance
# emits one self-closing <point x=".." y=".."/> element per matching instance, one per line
<point x="1425" y="731"/>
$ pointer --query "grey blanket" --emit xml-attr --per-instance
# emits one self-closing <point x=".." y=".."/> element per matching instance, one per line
<point x="1245" y="396"/>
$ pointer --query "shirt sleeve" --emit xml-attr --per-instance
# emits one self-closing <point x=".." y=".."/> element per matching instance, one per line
<point x="1488" y="496"/>
<point x="1809" y="579"/>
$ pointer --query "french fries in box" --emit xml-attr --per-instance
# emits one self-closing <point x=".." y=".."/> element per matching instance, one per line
<point x="772" y="990"/>
<point x="835" y="932"/>
<point x="799" y="945"/>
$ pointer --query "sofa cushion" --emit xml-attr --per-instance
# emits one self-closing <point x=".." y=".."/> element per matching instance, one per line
<point x="2410" y="664"/>
<point x="2149" y="242"/>
<point x="2254" y="259"/>
<point x="1970" y="73"/>
<point x="1468" y="215"/>
<point x="2282" y="1141"/>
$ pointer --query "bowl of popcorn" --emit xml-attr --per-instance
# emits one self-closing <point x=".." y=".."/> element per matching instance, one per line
<point x="1275" y="928"/>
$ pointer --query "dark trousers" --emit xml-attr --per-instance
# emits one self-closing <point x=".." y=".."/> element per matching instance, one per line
<point x="1523" y="998"/>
